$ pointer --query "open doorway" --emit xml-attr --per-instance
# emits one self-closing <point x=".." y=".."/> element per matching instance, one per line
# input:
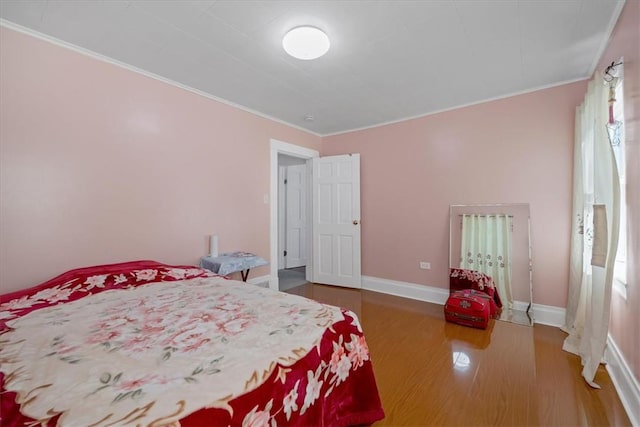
<point x="285" y="155"/>
<point x="333" y="237"/>
<point x="293" y="221"/>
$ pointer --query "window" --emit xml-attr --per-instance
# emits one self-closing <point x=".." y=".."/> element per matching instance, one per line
<point x="617" y="139"/>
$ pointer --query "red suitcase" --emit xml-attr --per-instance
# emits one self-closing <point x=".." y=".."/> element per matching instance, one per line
<point x="469" y="308"/>
<point x="460" y="279"/>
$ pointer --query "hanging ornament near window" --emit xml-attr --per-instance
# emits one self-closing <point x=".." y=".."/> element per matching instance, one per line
<point x="614" y="127"/>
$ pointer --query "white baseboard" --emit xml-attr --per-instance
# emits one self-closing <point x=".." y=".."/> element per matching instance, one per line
<point x="262" y="281"/>
<point x="624" y="381"/>
<point x="520" y="305"/>
<point x="406" y="290"/>
<point x="549" y="315"/>
<point x="543" y="314"/>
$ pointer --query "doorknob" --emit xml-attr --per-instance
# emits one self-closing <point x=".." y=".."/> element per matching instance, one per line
<point x="355" y="222"/>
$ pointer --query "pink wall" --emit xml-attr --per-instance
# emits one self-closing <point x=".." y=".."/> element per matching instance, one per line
<point x="99" y="164"/>
<point x="625" y="315"/>
<point x="514" y="150"/>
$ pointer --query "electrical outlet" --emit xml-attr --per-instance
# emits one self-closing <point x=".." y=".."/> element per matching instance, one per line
<point x="425" y="265"/>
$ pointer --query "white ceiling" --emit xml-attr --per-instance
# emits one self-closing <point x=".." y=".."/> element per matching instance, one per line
<point x="389" y="60"/>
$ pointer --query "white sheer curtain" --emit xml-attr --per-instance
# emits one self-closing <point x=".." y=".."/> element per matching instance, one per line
<point x="486" y="247"/>
<point x="594" y="234"/>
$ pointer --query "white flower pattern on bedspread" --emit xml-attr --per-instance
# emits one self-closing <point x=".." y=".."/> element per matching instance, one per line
<point x="191" y="335"/>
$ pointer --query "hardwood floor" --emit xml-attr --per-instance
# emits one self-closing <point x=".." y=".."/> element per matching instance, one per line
<point x="433" y="373"/>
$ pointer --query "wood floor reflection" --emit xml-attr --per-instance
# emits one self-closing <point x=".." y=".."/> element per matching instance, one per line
<point x="433" y="373"/>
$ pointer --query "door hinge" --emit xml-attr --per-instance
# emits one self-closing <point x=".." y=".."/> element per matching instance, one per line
<point x="285" y="253"/>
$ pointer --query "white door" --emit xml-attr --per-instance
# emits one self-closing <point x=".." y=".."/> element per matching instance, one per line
<point x="296" y="216"/>
<point x="336" y="220"/>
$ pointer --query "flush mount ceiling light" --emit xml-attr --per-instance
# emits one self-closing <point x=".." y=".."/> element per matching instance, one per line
<point x="306" y="42"/>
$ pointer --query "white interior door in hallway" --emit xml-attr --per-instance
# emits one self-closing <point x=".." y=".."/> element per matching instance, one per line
<point x="295" y="216"/>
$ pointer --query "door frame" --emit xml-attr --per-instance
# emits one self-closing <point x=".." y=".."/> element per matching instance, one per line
<point x="279" y="147"/>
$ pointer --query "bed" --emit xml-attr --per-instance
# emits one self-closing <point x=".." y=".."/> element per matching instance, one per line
<point x="144" y="343"/>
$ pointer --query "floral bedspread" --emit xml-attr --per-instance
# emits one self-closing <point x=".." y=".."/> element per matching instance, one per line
<point x="187" y="350"/>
